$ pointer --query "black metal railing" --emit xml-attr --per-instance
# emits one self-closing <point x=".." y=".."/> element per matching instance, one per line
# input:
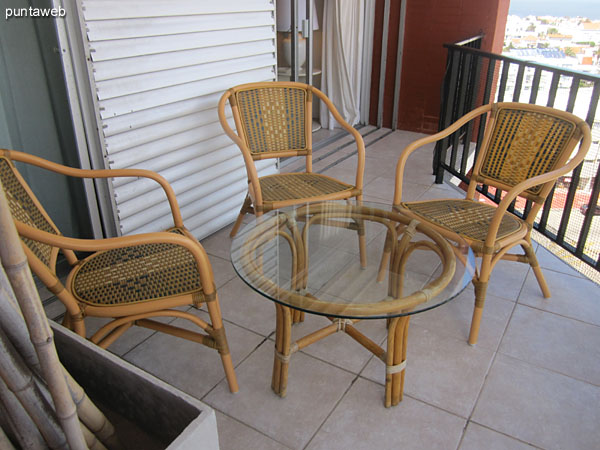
<point x="475" y="77"/>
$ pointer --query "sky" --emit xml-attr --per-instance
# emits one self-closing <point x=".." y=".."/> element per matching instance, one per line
<point x="558" y="8"/>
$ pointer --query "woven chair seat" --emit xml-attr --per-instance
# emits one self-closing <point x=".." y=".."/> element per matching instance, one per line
<point x="303" y="186"/>
<point x="467" y="218"/>
<point x="136" y="274"/>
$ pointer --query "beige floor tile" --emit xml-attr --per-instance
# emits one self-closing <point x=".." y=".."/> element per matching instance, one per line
<point x="347" y="240"/>
<point x="549" y="261"/>
<point x="54" y="309"/>
<point x="243" y="306"/>
<point x="234" y="435"/>
<point x="222" y="270"/>
<point x="383" y="188"/>
<point x="413" y="191"/>
<point x="375" y="199"/>
<point x="314" y="388"/>
<point x="379" y="167"/>
<point x="507" y="279"/>
<point x="418" y="172"/>
<point x="219" y="243"/>
<point x="361" y="421"/>
<point x="346" y="171"/>
<point x="441" y="371"/>
<point x="43" y="291"/>
<point x="392" y="146"/>
<point x="400" y="139"/>
<point x="331" y="157"/>
<point x="417" y="169"/>
<point x="321" y="272"/>
<point x="453" y="319"/>
<point x="572" y="297"/>
<point x="189" y="366"/>
<point x="132" y="337"/>
<point x="554" y="342"/>
<point x="360" y="283"/>
<point x="373" y="137"/>
<point x="384" y="149"/>
<point x="437" y="191"/>
<point x="537" y="406"/>
<point x="477" y="437"/>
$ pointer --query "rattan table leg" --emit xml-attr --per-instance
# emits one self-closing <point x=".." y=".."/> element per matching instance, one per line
<point x="362" y="244"/>
<point x="283" y="340"/>
<point x="297" y="316"/>
<point x="396" y="360"/>
<point x="278" y="342"/>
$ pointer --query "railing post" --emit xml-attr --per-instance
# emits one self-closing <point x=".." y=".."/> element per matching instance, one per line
<point x="448" y="98"/>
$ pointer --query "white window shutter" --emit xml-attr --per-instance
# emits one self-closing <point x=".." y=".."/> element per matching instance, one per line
<point x="158" y="69"/>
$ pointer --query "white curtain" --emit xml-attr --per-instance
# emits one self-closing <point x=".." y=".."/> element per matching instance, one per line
<point x="343" y="27"/>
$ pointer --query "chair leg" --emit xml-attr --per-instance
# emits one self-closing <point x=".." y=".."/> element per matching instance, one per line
<point x="297" y="316"/>
<point x="283" y="340"/>
<point x="395" y="360"/>
<point x="219" y="334"/>
<point x="362" y="245"/>
<point x="477" y="313"/>
<point x="480" y="284"/>
<point x="362" y="242"/>
<point x="246" y="207"/>
<point x="535" y="265"/>
<point x="66" y="322"/>
<point x="76" y="325"/>
<point x="385" y="257"/>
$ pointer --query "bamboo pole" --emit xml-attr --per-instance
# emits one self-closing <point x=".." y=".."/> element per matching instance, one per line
<point x="14" y="326"/>
<point x="91" y="440"/>
<point x="19" y="380"/>
<point x="24" y="431"/>
<point x="15" y="263"/>
<point x="91" y="416"/>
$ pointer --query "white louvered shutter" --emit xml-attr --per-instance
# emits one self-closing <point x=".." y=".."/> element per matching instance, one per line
<point x="158" y="69"/>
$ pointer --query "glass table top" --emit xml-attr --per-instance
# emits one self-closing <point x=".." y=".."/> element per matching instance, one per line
<point x="309" y="257"/>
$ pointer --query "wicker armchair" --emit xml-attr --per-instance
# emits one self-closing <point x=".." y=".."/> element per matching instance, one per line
<point x="130" y="279"/>
<point x="525" y="149"/>
<point x="273" y="120"/>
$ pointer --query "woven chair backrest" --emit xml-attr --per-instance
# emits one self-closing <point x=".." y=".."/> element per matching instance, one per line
<point x="525" y="143"/>
<point x="25" y="208"/>
<point x="273" y="118"/>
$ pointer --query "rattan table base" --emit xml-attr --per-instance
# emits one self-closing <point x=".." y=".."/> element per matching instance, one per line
<point x="394" y="358"/>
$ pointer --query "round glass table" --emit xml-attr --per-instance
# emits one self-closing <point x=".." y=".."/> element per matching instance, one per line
<point x="349" y="262"/>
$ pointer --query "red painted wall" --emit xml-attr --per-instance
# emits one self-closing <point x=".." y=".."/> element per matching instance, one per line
<point x="430" y="24"/>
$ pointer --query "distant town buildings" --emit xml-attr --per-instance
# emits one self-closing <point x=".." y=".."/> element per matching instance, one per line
<point x="572" y="43"/>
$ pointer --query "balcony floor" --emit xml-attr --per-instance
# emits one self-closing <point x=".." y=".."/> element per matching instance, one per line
<point x="532" y="380"/>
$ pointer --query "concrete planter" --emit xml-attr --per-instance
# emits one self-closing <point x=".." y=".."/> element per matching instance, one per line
<point x="147" y="412"/>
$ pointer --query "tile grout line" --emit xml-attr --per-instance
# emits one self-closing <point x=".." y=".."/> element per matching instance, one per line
<point x="493" y="360"/>
<point x="251" y="427"/>
<point x="356" y="377"/>
<point x="235" y="367"/>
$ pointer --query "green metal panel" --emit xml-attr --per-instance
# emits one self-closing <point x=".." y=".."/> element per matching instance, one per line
<point x="34" y="113"/>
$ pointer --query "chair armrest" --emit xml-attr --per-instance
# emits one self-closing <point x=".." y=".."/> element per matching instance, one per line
<point x="102" y="173"/>
<point x="360" y="144"/>
<point x="95" y="245"/>
<point x="428" y="140"/>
